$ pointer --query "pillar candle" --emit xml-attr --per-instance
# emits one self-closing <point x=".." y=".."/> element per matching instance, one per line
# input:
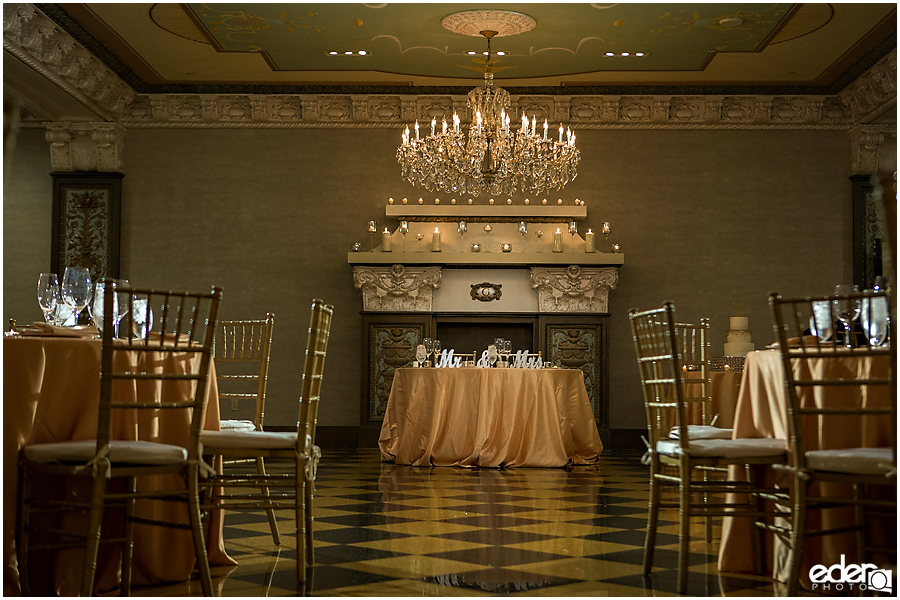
<point x="436" y="240"/>
<point x="386" y="241"/>
<point x="589" y="241"/>
<point x="557" y="241"/>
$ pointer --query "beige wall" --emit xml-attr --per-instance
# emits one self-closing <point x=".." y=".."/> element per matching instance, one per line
<point x="713" y="220"/>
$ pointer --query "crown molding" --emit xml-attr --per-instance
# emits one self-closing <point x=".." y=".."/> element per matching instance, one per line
<point x="43" y="44"/>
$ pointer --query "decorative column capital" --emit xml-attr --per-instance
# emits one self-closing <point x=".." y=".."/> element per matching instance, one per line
<point x="873" y="149"/>
<point x="397" y="288"/>
<point x="85" y="147"/>
<point x="574" y="288"/>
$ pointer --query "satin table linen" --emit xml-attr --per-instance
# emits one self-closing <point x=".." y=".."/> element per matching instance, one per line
<point x="762" y="413"/>
<point x="51" y="390"/>
<point x="489" y="418"/>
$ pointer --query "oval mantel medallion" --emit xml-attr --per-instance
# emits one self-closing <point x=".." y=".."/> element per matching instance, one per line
<point x="485" y="292"/>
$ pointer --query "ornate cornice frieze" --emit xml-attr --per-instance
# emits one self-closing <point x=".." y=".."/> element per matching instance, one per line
<point x="39" y="43"/>
<point x="574" y="288"/>
<point x="78" y="147"/>
<point x="874" y="92"/>
<point x="397" y="288"/>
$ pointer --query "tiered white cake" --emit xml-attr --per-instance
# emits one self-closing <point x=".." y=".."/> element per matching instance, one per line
<point x="737" y="340"/>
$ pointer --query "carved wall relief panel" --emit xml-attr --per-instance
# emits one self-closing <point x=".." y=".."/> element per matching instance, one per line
<point x="392" y="346"/>
<point x="580" y="346"/>
<point x="86" y="218"/>
<point x="397" y="288"/>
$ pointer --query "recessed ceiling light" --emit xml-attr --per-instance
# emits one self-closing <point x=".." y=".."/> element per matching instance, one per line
<point x="610" y="54"/>
<point x="362" y="52"/>
<point x="471" y="53"/>
<point x="625" y="54"/>
<point x="348" y="53"/>
<point x="501" y="54"/>
<point x="639" y="54"/>
<point x="332" y="53"/>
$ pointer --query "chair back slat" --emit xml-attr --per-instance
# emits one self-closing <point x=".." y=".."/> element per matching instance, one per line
<point x="831" y="372"/>
<point x="316" y="347"/>
<point x="165" y="345"/>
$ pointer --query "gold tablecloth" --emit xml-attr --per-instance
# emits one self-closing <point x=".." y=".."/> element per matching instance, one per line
<point x="762" y="413"/>
<point x="51" y="389"/>
<point x="489" y="418"/>
<point x="723" y="390"/>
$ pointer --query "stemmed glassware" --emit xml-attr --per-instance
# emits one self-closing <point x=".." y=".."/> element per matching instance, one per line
<point x="820" y="321"/>
<point x="122" y="304"/>
<point x="507" y="350"/>
<point x="846" y="310"/>
<point x="76" y="289"/>
<point x="48" y="295"/>
<point x="142" y="315"/>
<point x="429" y="346"/>
<point x="498" y="344"/>
<point x="437" y="351"/>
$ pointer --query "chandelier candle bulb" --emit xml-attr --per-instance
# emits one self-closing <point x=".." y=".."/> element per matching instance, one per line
<point x="557" y="241"/>
<point x="386" y="241"/>
<point x="432" y="127"/>
<point x="436" y="240"/>
<point x="443" y="126"/>
<point x="545" y="129"/>
<point x="560" y="133"/>
<point x="417" y="130"/>
<point x="589" y="241"/>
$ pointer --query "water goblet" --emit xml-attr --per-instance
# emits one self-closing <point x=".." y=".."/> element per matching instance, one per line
<point x="76" y="289"/>
<point x="437" y="351"/>
<point x="122" y="304"/>
<point x="421" y="355"/>
<point x="874" y="318"/>
<point x="141" y="315"/>
<point x="429" y="347"/>
<point x="820" y="324"/>
<point x="846" y="310"/>
<point x="48" y="295"/>
<point x="507" y="350"/>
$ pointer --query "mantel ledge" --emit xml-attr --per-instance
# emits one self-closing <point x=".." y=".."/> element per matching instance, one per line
<point x="481" y="259"/>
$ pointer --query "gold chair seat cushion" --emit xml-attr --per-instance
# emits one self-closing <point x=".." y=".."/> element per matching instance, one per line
<point x="861" y="461"/>
<point x="747" y="447"/>
<point x="136" y="452"/>
<point x="236" y="425"/>
<point x="249" y="439"/>
<point x="703" y="432"/>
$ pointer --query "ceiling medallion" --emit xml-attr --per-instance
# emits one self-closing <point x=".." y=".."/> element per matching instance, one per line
<point x="473" y="22"/>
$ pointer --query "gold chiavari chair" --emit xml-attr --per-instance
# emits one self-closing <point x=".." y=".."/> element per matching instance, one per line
<point x="841" y="391"/>
<point x="172" y="355"/>
<point x="293" y="490"/>
<point x="242" y="371"/>
<point x="663" y="382"/>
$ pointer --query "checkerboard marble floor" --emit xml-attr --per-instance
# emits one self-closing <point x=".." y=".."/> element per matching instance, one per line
<point x="391" y="530"/>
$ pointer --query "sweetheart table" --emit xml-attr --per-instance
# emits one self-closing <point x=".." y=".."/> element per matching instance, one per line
<point x="51" y="388"/>
<point x="476" y="417"/>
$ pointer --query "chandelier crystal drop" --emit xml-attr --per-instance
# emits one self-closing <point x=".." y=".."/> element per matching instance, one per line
<point x="493" y="158"/>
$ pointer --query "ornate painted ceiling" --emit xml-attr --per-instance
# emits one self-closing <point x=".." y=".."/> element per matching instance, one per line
<point x="568" y="44"/>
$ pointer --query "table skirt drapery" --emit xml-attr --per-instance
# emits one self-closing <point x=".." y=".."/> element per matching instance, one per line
<point x="51" y="389"/>
<point x="762" y="413"/>
<point x="489" y="418"/>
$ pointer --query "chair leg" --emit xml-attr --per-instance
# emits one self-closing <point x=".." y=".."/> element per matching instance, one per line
<point x="196" y="522"/>
<point x="798" y="534"/>
<point x="708" y="520"/>
<point x="652" y="518"/>
<point x="684" y="525"/>
<point x="23" y="524"/>
<point x="128" y="544"/>
<point x="270" y="512"/>
<point x="860" y="515"/>
<point x="309" y="488"/>
<point x="300" y="516"/>
<point x="93" y="532"/>
<point x="758" y="533"/>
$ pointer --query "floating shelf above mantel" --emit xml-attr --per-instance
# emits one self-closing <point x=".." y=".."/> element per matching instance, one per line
<point x="478" y="212"/>
<point x="484" y="259"/>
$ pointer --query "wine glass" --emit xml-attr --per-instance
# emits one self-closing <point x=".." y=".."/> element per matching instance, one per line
<point x="507" y="349"/>
<point x="437" y="351"/>
<point x="874" y="317"/>
<point x="48" y="295"/>
<point x="846" y="310"/>
<point x="76" y="289"/>
<point x="141" y="315"/>
<point x="421" y="354"/>
<point x="498" y="345"/>
<point x="492" y="354"/>
<point x="122" y="303"/>
<point x="820" y="321"/>
<point x="97" y="306"/>
<point x="429" y="346"/>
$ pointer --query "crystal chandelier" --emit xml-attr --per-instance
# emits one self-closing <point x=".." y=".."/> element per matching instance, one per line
<point x="493" y="158"/>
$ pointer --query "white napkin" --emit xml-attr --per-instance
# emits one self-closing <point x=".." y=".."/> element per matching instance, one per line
<point x="46" y="329"/>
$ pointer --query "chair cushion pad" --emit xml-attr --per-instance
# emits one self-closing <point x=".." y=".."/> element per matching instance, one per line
<point x="863" y="461"/>
<point x="137" y="452"/>
<point x="236" y="425"/>
<point x="703" y="432"/>
<point x="744" y="447"/>
<point x="249" y="439"/>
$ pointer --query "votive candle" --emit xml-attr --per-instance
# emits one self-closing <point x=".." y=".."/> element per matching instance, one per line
<point x="605" y="230"/>
<point x="386" y="240"/>
<point x="390" y="200"/>
<point x="557" y="241"/>
<point x="436" y="240"/>
<point x="589" y="241"/>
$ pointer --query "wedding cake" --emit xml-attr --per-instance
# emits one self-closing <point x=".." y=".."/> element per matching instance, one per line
<point x="737" y="340"/>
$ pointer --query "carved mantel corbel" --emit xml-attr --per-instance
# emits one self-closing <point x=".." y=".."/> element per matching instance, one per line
<point x="397" y="288"/>
<point x="574" y="288"/>
<point x="85" y="147"/>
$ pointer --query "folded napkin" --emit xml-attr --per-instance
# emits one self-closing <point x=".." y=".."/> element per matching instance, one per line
<point x="46" y="329"/>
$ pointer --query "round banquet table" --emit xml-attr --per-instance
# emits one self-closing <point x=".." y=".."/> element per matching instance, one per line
<point x="51" y="388"/>
<point x="476" y="417"/>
